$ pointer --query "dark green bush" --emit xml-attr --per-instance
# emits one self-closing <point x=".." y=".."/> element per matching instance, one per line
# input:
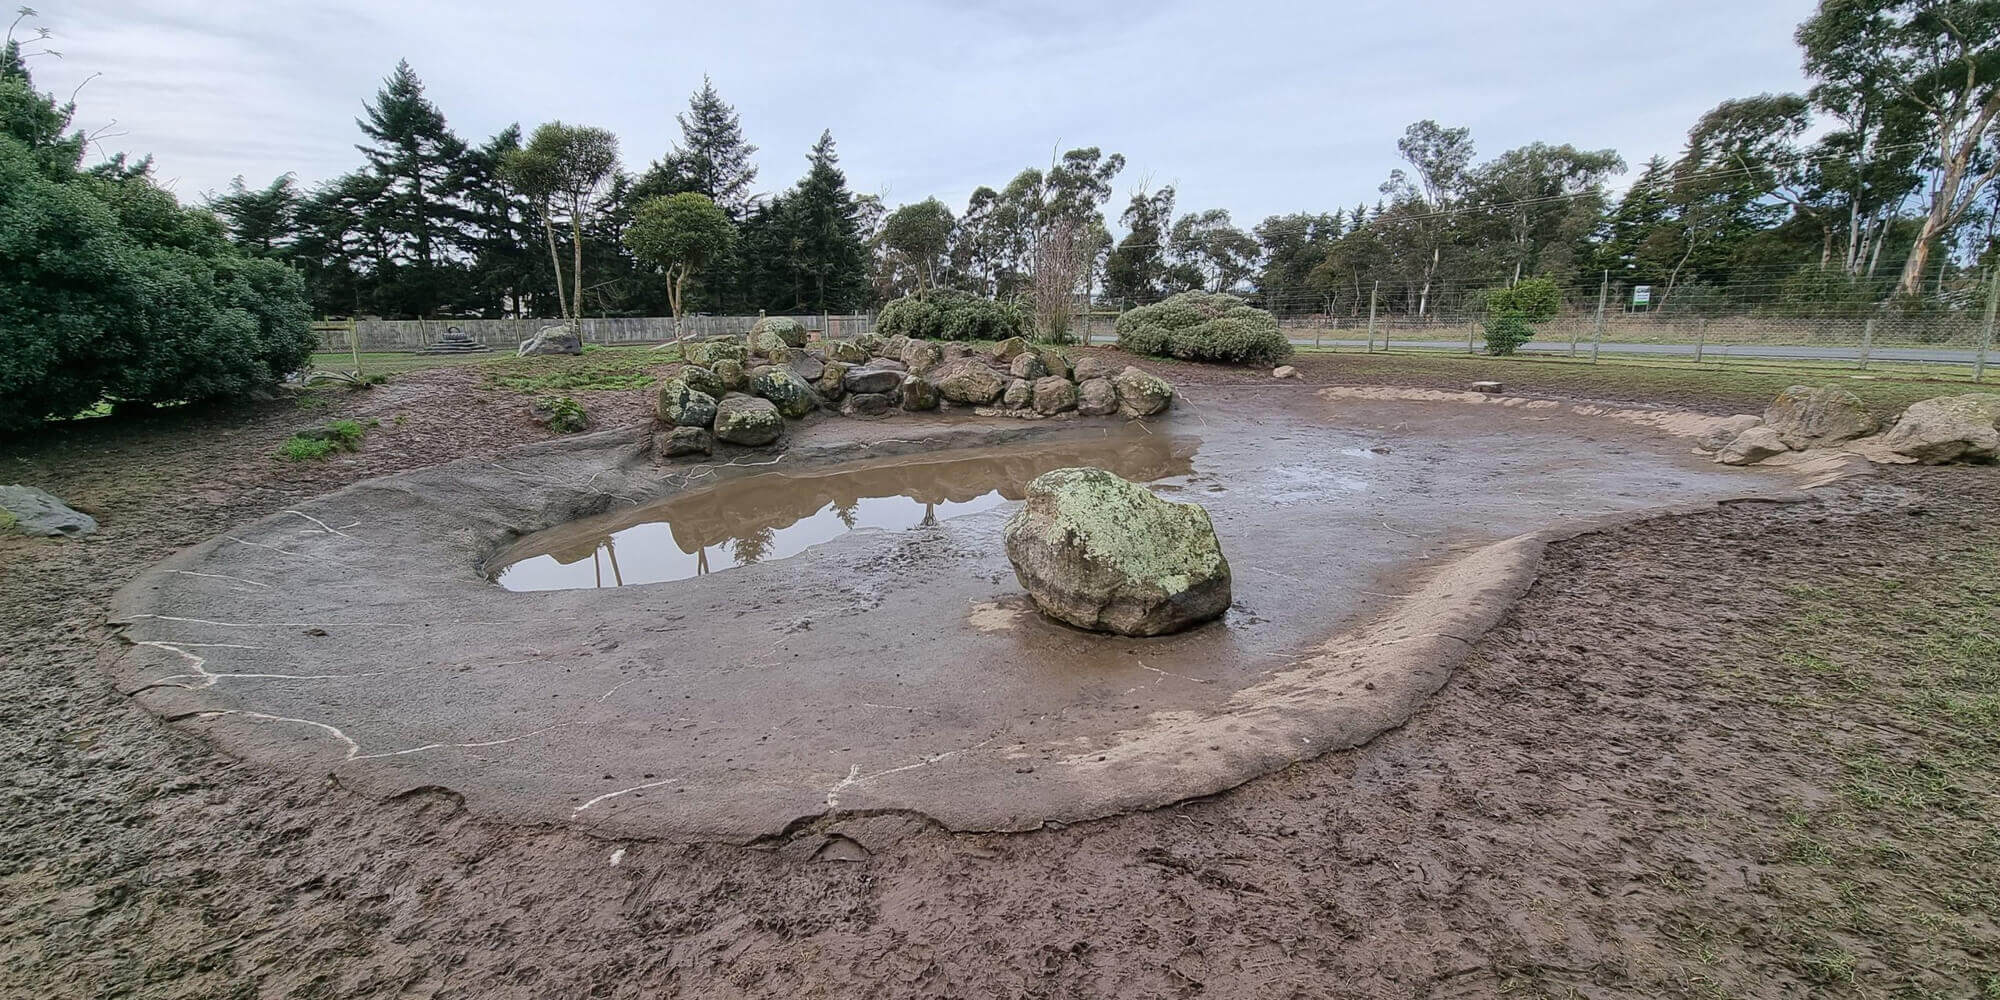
<point x="1511" y="313"/>
<point x="947" y="315"/>
<point x="110" y="291"/>
<point x="1203" y="326"/>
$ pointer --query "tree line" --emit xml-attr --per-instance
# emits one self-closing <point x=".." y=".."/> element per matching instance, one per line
<point x="1876" y="184"/>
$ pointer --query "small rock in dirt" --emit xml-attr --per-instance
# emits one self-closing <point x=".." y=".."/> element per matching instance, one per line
<point x="1949" y="429"/>
<point x="1284" y="371"/>
<point x="1491" y="388"/>
<point x="1752" y="446"/>
<point x="29" y="511"/>
<point x="748" y="420"/>
<point x="559" y="339"/>
<point x="1105" y="554"/>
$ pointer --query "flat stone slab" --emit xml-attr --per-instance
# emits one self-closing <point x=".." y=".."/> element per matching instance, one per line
<point x="359" y="634"/>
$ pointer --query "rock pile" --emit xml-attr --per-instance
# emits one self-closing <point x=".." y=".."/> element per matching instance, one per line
<point x="740" y="390"/>
<point x="1933" y="431"/>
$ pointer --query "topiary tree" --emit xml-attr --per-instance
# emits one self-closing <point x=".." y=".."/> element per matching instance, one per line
<point x="679" y="234"/>
<point x="1203" y="326"/>
<point x="921" y="232"/>
<point x="1511" y="313"/>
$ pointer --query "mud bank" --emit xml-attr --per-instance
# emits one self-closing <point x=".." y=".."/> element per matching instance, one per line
<point x="1374" y="539"/>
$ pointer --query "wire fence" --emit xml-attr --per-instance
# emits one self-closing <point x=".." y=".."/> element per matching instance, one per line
<point x="397" y="335"/>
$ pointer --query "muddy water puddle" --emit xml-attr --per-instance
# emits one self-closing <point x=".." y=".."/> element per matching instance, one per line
<point x="772" y="516"/>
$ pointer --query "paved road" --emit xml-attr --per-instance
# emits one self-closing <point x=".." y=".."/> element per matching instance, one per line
<point x="1931" y="355"/>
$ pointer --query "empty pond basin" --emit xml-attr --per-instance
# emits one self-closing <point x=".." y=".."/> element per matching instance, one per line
<point x="771" y="516"/>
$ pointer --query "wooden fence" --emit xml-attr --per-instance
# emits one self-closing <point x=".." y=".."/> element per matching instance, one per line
<point x="506" y="334"/>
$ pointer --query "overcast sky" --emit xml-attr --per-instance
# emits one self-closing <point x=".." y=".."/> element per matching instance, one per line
<point x="1252" y="106"/>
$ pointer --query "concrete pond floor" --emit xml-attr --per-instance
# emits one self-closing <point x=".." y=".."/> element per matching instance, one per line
<point x="885" y="668"/>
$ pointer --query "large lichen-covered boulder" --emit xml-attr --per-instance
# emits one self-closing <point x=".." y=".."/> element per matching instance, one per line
<point x="1949" y="429"/>
<point x="775" y="331"/>
<point x="741" y="419"/>
<point x="1054" y="362"/>
<point x="1805" y="417"/>
<point x="1101" y="553"/>
<point x="870" y="343"/>
<point x="920" y="356"/>
<point x="1141" y="394"/>
<point x="25" y="510"/>
<point x="1752" y="446"/>
<point x="892" y="347"/>
<point x="559" y="339"/>
<point x="968" y="381"/>
<point x="786" y="391"/>
<point x="1028" y="366"/>
<point x="685" y="406"/>
<point x="711" y="353"/>
<point x="1054" y="394"/>
<point x="919" y="394"/>
<point x="1096" y="397"/>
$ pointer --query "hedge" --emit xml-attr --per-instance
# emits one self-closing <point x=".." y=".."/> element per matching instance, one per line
<point x="1203" y="326"/>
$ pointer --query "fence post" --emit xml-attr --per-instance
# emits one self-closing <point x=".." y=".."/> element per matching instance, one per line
<point x="1701" y="338"/>
<point x="1372" y="289"/>
<point x="1867" y="340"/>
<point x="354" y="344"/>
<point x="1986" y="329"/>
<point x="1471" y="328"/>
<point x="1597" y="342"/>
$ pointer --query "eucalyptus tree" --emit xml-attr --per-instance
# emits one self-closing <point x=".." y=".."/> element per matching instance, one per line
<point x="566" y="170"/>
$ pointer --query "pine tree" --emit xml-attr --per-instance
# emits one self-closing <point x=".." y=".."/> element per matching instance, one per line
<point x="712" y="156"/>
<point x="419" y="160"/>
<point x="264" y="222"/>
<point x="816" y="231"/>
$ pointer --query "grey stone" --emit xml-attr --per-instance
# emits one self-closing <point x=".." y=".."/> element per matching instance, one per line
<point x="1027" y="366"/>
<point x="30" y="511"/>
<point x="675" y="442"/>
<point x="559" y="339"/>
<point x="1096" y="397"/>
<point x="770" y="332"/>
<point x="1020" y="394"/>
<point x="867" y="404"/>
<point x="741" y="419"/>
<point x="1752" y="446"/>
<point x="920" y="356"/>
<point x="872" y="379"/>
<point x="919" y="393"/>
<point x="832" y="381"/>
<point x="1009" y="349"/>
<point x="1284" y="371"/>
<point x="1092" y="366"/>
<point x="710" y="353"/>
<point x="1726" y="430"/>
<point x="786" y="391"/>
<point x="730" y="371"/>
<point x="1949" y="429"/>
<point x="807" y="367"/>
<point x="846" y="350"/>
<point x="1803" y="416"/>
<point x="685" y="406"/>
<point x="705" y="380"/>
<point x="1105" y="554"/>
<point x="968" y="381"/>
<point x="1054" y="394"/>
<point x="1141" y="394"/>
<point x="1054" y="361"/>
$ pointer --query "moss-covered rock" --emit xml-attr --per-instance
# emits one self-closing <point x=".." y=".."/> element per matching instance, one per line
<point x="920" y="356"/>
<point x="1949" y="429"/>
<point x="1009" y="349"/>
<point x="1020" y="393"/>
<point x="1101" y="553"/>
<point x="747" y="420"/>
<point x="831" y="380"/>
<point x="846" y="350"/>
<point x="919" y="394"/>
<point x="1141" y="394"/>
<point x="708" y="353"/>
<point x="786" y="391"/>
<point x="730" y="371"/>
<point x="1805" y="417"/>
<point x="683" y="405"/>
<point x="705" y="380"/>
<point x="1054" y="394"/>
<point x="676" y="442"/>
<point x="776" y="331"/>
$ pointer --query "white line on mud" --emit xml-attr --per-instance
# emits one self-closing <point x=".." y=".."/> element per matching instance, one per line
<point x="621" y="791"/>
<point x="328" y="528"/>
<point x="219" y="576"/>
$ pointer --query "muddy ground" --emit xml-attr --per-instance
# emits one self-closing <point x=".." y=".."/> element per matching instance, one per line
<point x="1745" y="753"/>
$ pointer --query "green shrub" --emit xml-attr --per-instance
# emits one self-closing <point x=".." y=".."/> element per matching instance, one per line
<point x="110" y="290"/>
<point x="562" y="414"/>
<point x="947" y="315"/>
<point x="1511" y="313"/>
<point x="1203" y="326"/>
